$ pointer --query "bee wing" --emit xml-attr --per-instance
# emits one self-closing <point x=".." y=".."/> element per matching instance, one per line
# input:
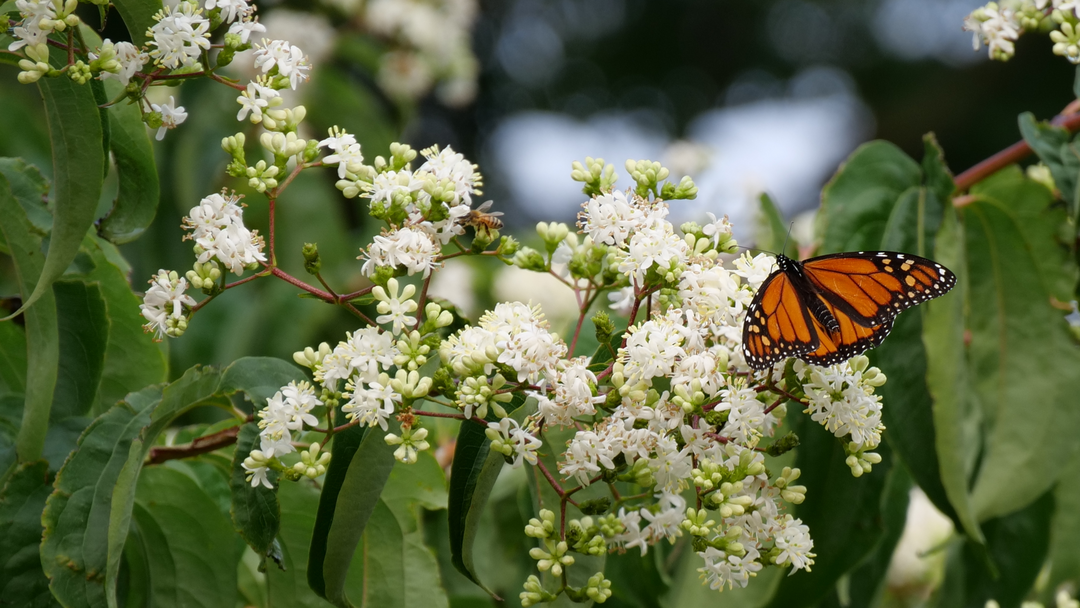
<point x="484" y="207"/>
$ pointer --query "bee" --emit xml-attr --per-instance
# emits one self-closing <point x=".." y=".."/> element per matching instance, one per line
<point x="479" y="218"/>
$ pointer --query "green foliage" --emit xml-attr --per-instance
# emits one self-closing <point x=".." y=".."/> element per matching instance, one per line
<point x="901" y="205"/>
<point x="1020" y="346"/>
<point x="256" y="513"/>
<point x="348" y="501"/>
<point x="847" y="514"/>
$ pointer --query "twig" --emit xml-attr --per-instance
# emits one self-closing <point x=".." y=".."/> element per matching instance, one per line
<point x="1008" y="156"/>
<point x="200" y="445"/>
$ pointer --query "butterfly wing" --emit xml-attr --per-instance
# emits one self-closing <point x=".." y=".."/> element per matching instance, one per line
<point x="872" y="287"/>
<point x="851" y="339"/>
<point x="778" y="325"/>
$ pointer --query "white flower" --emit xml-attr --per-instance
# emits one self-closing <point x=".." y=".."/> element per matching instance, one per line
<point x="454" y="167"/>
<point x="722" y="570"/>
<point x="373" y="405"/>
<point x="667" y="521"/>
<point x="610" y="218"/>
<point x="217" y="227"/>
<point x="410" y="442"/>
<point x="230" y="9"/>
<point x="288" y="410"/>
<point x="652" y="247"/>
<point x="653" y="347"/>
<point x="746" y="415"/>
<point x="840" y="401"/>
<point x="406" y="247"/>
<point x="398" y="311"/>
<point x="997" y="27"/>
<point x="632" y="535"/>
<point x="365" y="352"/>
<point x="584" y="455"/>
<point x="510" y="439"/>
<point x="755" y="269"/>
<point x="131" y="60"/>
<point x="716" y="229"/>
<point x="795" y="544"/>
<point x="346" y="156"/>
<point x="163" y="305"/>
<point x="524" y="341"/>
<point x="573" y="397"/>
<point x="179" y="37"/>
<point x="255" y="99"/>
<point x="171" y="116"/>
<point x="245" y="28"/>
<point x="671" y="466"/>
<point x="288" y="59"/>
<point x="255" y="467"/>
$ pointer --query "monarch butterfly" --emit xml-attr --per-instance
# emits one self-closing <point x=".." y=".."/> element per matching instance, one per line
<point x="830" y="308"/>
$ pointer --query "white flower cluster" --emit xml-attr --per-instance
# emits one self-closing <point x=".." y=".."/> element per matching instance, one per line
<point x="38" y="19"/>
<point x="180" y="36"/>
<point x="425" y="208"/>
<point x="216" y="225"/>
<point x="999" y="24"/>
<point x="287" y="411"/>
<point x="163" y="305"/>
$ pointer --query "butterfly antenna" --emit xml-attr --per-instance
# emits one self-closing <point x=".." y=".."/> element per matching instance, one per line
<point x="787" y="237"/>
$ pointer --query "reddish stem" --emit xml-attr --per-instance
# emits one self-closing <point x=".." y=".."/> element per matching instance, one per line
<point x="1008" y="156"/>
<point x="200" y="445"/>
<point x="288" y="278"/>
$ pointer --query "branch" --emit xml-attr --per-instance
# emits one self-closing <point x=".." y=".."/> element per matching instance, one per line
<point x="1010" y="155"/>
<point x="201" y="445"/>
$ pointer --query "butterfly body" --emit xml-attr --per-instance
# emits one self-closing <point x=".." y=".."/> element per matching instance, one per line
<point x="830" y="308"/>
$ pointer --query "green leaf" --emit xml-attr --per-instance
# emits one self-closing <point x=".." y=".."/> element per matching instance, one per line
<point x="1017" y="545"/>
<point x="77" y="514"/>
<point x="42" y="341"/>
<point x="137" y="198"/>
<point x="138" y="16"/>
<point x="886" y="188"/>
<point x="948" y="379"/>
<point x="256" y="514"/>
<point x="844" y="513"/>
<point x="350" y="496"/>
<point x="1065" y="529"/>
<point x="287" y="587"/>
<point x="472" y="476"/>
<point x="76" y="136"/>
<point x="22" y="582"/>
<point x="189" y="546"/>
<point x="1020" y="346"/>
<point x="866" y="583"/>
<point x="12" y="359"/>
<point x="132" y="360"/>
<point x="259" y="377"/>
<point x="31" y="190"/>
<point x="1041" y="220"/>
<point x="857" y="202"/>
<point x="394" y="567"/>
<point x="1052" y="145"/>
<point x="772" y="232"/>
<point x="83" y="327"/>
<point x="418" y="485"/>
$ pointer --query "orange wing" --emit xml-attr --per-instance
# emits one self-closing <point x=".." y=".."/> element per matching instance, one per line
<point x="872" y="287"/>
<point x="862" y="291"/>
<point x="778" y="324"/>
<point x="852" y="339"/>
